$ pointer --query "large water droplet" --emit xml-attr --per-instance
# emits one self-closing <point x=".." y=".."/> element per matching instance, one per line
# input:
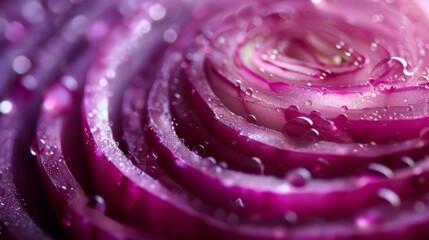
<point x="389" y="71"/>
<point x="296" y="127"/>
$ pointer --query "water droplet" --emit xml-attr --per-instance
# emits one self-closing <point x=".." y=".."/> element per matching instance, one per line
<point x="340" y="44"/>
<point x="390" y="70"/>
<point x="199" y="150"/>
<point x="128" y="154"/>
<point x="208" y="163"/>
<point x="6" y="107"/>
<point x="423" y="82"/>
<point x="97" y="202"/>
<point x="344" y="108"/>
<point x="239" y="203"/>
<point x="377" y="18"/>
<point x="390" y="196"/>
<point x="296" y="127"/>
<point x="349" y="52"/>
<point x="37" y="147"/>
<point x="424" y="133"/>
<point x="341" y="121"/>
<point x="223" y="165"/>
<point x="237" y="83"/>
<point x="374" y="46"/>
<point x="409" y="162"/>
<point x="298" y="177"/>
<point x="258" y="162"/>
<point x="251" y="118"/>
<point x="308" y="103"/>
<point x="380" y="169"/>
<point x="315" y="113"/>
<point x="157" y="12"/>
<point x="249" y="91"/>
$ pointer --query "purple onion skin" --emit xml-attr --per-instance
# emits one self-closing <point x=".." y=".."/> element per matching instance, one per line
<point x="186" y="119"/>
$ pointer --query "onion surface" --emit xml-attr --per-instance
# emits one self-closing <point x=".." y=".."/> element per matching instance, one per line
<point x="168" y="119"/>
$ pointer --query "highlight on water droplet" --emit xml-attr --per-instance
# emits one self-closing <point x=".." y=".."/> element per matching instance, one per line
<point x="390" y="196"/>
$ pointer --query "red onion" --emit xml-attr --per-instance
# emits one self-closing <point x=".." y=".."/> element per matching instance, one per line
<point x="214" y="119"/>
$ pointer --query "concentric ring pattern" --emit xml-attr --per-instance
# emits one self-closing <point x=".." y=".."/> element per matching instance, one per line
<point x="214" y="119"/>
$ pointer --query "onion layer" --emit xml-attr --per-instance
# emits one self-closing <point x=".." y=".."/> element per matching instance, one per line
<point x="214" y="119"/>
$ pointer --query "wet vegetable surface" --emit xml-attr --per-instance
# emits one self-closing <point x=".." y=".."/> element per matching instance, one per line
<point x="214" y="119"/>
